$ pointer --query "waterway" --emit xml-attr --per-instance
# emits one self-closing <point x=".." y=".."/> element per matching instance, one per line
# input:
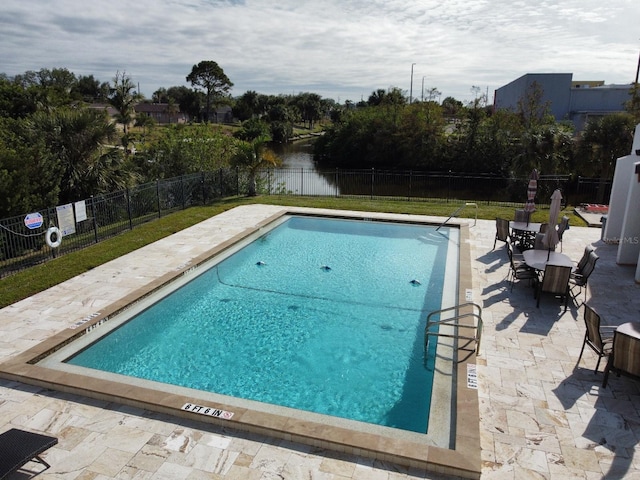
<point x="298" y="174"/>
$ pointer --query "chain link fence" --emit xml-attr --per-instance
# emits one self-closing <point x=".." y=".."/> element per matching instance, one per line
<point x="26" y="240"/>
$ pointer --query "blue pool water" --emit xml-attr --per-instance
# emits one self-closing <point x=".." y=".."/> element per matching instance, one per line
<point x="323" y="315"/>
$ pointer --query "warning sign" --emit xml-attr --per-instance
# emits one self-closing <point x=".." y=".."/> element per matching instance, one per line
<point x="33" y="220"/>
<point x="210" y="411"/>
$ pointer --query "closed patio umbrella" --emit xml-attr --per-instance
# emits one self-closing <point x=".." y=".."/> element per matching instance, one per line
<point x="551" y="236"/>
<point x="532" y="187"/>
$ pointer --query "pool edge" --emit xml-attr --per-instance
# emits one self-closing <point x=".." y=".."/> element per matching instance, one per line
<point x="464" y="460"/>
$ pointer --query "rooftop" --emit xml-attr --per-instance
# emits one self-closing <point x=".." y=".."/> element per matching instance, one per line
<point x="541" y="415"/>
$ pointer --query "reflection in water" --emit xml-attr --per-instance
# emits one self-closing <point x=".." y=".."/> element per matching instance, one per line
<point x="298" y="174"/>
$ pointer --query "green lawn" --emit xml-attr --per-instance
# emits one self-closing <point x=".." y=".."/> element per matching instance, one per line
<point x="36" y="279"/>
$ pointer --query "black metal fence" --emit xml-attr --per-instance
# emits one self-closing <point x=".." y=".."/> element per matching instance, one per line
<point x="97" y="218"/>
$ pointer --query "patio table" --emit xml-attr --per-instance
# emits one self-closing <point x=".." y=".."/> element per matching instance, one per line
<point x="524" y="232"/>
<point x="538" y="259"/>
<point x="525" y="227"/>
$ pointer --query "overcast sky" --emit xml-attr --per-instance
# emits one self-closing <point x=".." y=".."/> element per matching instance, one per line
<point x="340" y="49"/>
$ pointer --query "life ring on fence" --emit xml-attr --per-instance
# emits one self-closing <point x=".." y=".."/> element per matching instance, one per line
<point x="51" y="232"/>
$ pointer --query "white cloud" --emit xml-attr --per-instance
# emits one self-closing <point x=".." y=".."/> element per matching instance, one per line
<point x="339" y="49"/>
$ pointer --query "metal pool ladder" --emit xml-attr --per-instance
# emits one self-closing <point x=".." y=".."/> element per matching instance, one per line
<point x="451" y="325"/>
<point x="458" y="210"/>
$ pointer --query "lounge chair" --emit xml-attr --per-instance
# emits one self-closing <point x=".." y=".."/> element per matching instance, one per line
<point x="18" y="447"/>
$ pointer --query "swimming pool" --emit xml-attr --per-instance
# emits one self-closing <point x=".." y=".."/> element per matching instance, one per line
<point x="451" y="444"/>
<point x="319" y="314"/>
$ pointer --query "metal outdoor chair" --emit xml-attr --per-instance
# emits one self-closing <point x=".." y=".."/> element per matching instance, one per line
<point x="585" y="258"/>
<point x="580" y="277"/>
<point x="521" y="216"/>
<point x="555" y="280"/>
<point x="562" y="227"/>
<point x="623" y="358"/>
<point x="538" y="243"/>
<point x="502" y="231"/>
<point x="518" y="269"/>
<point x="597" y="337"/>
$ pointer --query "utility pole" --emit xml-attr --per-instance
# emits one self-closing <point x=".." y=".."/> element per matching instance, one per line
<point x="422" y="89"/>
<point x="635" y="107"/>
<point x="411" y="87"/>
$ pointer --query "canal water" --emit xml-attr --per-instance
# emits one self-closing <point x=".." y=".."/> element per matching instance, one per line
<point x="298" y="174"/>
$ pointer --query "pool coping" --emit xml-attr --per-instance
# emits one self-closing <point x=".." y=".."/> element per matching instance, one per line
<point x="394" y="446"/>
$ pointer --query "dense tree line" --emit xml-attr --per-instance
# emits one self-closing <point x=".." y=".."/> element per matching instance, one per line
<point x="58" y="144"/>
<point x="387" y="132"/>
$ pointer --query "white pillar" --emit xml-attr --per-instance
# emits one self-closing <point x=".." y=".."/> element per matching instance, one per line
<point x="629" y="246"/>
<point x="625" y="168"/>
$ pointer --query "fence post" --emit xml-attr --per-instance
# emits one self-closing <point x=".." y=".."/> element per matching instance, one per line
<point x="578" y="185"/>
<point x="204" y="190"/>
<point x="182" y="194"/>
<point x="95" y="219"/>
<point x="301" y="180"/>
<point x="337" y="189"/>
<point x="129" y="208"/>
<point x="449" y="187"/>
<point x="237" y="181"/>
<point x="372" y="180"/>
<point x="158" y="197"/>
<point x="410" y="178"/>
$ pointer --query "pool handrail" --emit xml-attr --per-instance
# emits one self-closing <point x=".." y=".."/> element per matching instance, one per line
<point x="454" y="321"/>
<point x="457" y="211"/>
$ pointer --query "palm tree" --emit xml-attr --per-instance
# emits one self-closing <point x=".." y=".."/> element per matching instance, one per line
<point x="81" y="139"/>
<point x="124" y="98"/>
<point x="253" y="156"/>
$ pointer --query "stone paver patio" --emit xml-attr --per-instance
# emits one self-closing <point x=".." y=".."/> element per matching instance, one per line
<point x="542" y="416"/>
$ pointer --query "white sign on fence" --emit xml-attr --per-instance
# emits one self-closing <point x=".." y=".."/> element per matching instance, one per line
<point x="66" y="223"/>
<point x="81" y="211"/>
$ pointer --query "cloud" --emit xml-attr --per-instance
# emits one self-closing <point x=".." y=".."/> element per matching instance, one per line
<point x="343" y="50"/>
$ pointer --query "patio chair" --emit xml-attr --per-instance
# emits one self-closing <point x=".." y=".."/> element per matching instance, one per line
<point x="562" y="227"/>
<point x="585" y="258"/>
<point x="502" y="231"/>
<point x="538" y="243"/>
<point x="580" y="277"/>
<point x="543" y="227"/>
<point x="597" y="337"/>
<point x="518" y="269"/>
<point x="555" y="280"/>
<point x="521" y="216"/>
<point x="623" y="358"/>
<point x="18" y="447"/>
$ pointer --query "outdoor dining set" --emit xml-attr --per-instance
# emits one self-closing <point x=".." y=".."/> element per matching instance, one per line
<point x="531" y="248"/>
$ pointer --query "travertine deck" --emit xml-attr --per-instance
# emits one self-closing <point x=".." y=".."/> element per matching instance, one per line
<point x="541" y="417"/>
